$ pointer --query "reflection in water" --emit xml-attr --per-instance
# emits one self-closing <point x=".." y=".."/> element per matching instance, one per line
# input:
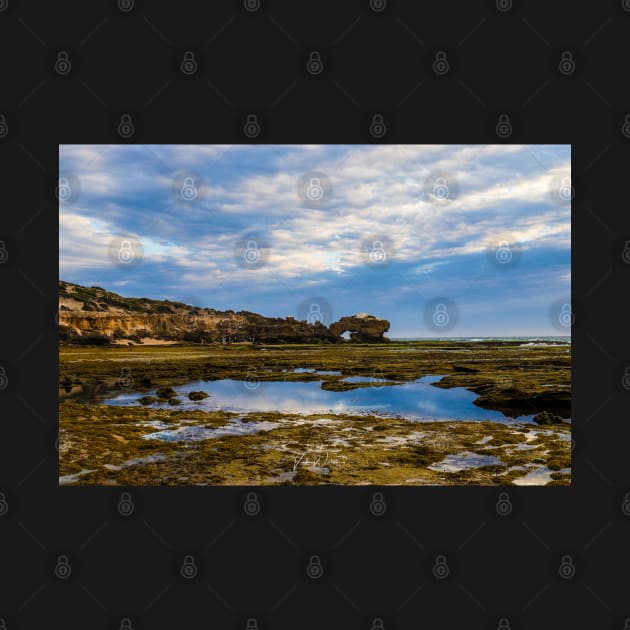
<point x="464" y="461"/>
<point x="416" y="400"/>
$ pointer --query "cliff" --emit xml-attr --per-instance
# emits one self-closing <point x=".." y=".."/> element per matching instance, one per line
<point x="92" y="315"/>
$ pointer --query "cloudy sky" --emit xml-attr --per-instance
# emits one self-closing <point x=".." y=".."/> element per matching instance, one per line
<point x="481" y="232"/>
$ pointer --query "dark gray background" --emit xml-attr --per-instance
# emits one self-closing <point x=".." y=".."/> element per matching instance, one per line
<point x="374" y="62"/>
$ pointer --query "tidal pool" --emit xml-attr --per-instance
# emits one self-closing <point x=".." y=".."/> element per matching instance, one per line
<point x="417" y="400"/>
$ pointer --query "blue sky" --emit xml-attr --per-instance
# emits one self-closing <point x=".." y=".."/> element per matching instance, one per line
<point x="388" y="230"/>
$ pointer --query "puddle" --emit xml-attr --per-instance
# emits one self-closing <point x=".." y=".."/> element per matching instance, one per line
<point x="314" y="371"/>
<point x="401" y="440"/>
<point x="282" y="477"/>
<point x="538" y="477"/>
<point x="148" y="459"/>
<point x="365" y="379"/>
<point x="197" y="433"/>
<point x="522" y="447"/>
<point x="465" y="461"/>
<point x="65" y="480"/>
<point x="414" y="400"/>
<point x="484" y="440"/>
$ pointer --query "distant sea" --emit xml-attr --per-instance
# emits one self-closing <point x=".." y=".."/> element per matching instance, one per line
<point x="566" y="339"/>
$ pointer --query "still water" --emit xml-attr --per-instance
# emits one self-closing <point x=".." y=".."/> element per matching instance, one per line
<point x="417" y="400"/>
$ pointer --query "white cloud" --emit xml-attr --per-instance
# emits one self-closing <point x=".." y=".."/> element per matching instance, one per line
<point x="377" y="190"/>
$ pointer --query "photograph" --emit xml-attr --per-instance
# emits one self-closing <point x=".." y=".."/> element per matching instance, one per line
<point x="303" y="315"/>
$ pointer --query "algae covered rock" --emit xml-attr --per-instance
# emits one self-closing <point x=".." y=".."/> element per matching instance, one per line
<point x="546" y="417"/>
<point x="197" y="395"/>
<point x="166" y="392"/>
<point x="147" y="400"/>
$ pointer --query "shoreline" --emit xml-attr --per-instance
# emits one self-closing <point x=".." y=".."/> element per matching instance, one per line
<point x="257" y="448"/>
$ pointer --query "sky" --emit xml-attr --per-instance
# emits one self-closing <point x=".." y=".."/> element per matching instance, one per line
<point x="477" y="236"/>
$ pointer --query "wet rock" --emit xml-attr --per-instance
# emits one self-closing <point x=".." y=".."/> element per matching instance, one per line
<point x="147" y="400"/>
<point x="165" y="392"/>
<point x="197" y="395"/>
<point x="546" y="417"/>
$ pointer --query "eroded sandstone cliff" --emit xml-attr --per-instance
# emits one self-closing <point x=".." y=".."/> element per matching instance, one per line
<point x="94" y="315"/>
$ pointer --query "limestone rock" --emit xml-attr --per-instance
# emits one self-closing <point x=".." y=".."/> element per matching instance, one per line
<point x="362" y="327"/>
